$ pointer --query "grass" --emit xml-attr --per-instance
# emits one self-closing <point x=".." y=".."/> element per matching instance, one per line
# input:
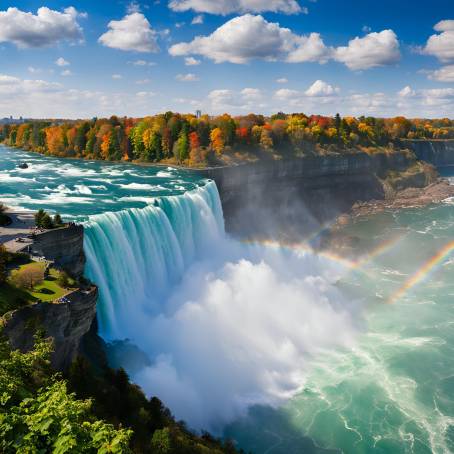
<point x="13" y="297"/>
<point x="49" y="290"/>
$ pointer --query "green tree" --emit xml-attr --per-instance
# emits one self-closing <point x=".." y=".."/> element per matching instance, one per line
<point x="38" y="414"/>
<point x="39" y="215"/>
<point x="57" y="220"/>
<point x="46" y="222"/>
<point x="182" y="146"/>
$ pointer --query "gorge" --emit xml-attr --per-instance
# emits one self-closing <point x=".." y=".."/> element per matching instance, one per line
<point x="176" y="293"/>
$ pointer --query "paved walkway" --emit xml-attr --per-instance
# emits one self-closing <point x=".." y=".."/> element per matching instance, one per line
<point x="22" y="226"/>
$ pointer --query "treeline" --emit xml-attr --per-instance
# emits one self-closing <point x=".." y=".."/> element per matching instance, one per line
<point x="188" y="140"/>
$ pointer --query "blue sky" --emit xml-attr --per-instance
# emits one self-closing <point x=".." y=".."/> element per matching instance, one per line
<point x="82" y="59"/>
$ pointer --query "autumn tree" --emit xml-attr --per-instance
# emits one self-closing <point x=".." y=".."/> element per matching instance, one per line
<point x="29" y="276"/>
<point x="217" y="140"/>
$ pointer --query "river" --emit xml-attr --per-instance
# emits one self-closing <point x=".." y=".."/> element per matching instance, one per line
<point x="281" y="349"/>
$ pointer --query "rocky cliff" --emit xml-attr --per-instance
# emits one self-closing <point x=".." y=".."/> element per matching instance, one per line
<point x="297" y="196"/>
<point x="440" y="153"/>
<point x="65" y="322"/>
<point x="64" y="246"/>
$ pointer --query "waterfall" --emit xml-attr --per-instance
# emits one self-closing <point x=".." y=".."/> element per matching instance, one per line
<point x="208" y="324"/>
<point x="136" y="256"/>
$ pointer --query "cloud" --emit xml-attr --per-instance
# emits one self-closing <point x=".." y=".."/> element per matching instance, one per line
<point x="321" y="88"/>
<point x="444" y="74"/>
<point x="237" y="6"/>
<point x="187" y="77"/>
<point x="265" y="40"/>
<point x="374" y="49"/>
<point x="66" y="73"/>
<point x="198" y="20"/>
<point x="132" y="33"/>
<point x="45" y="28"/>
<point x="251" y="94"/>
<point x="42" y="99"/>
<point x="191" y="61"/>
<point x="270" y="42"/>
<point x="282" y="80"/>
<point x="286" y="93"/>
<point x="406" y="92"/>
<point x="61" y="62"/>
<point x="144" y="94"/>
<point x="442" y="45"/>
<point x="309" y="49"/>
<point x="117" y="76"/>
<point x="247" y="99"/>
<point x="33" y="70"/>
<point x="10" y="85"/>
<point x="143" y="63"/>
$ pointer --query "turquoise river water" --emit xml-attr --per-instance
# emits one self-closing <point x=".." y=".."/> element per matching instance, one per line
<point x="279" y="348"/>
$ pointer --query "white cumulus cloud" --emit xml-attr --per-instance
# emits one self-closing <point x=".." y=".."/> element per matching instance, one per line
<point x="309" y="48"/>
<point x="444" y="74"/>
<point x="45" y="28"/>
<point x="265" y="40"/>
<point x="236" y="6"/>
<point x="198" y="20"/>
<point x="248" y="37"/>
<point x="61" y="62"/>
<point x="374" y="49"/>
<point x="321" y="88"/>
<point x="132" y="33"/>
<point x="442" y="45"/>
<point x="191" y="61"/>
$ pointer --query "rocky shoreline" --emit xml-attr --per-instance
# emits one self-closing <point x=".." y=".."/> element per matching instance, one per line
<point x="406" y="198"/>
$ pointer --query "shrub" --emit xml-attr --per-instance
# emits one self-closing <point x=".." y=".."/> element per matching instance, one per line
<point x="63" y="279"/>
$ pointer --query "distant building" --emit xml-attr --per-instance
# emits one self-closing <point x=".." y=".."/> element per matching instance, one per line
<point x="198" y="113"/>
<point x="10" y="120"/>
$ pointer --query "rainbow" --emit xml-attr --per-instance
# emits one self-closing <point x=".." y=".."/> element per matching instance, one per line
<point x="353" y="265"/>
<point x="422" y="272"/>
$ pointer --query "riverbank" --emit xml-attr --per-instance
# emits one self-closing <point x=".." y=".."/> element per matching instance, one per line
<point x="406" y="198"/>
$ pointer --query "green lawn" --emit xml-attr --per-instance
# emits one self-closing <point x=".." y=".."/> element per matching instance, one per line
<point x="49" y="290"/>
<point x="12" y="297"/>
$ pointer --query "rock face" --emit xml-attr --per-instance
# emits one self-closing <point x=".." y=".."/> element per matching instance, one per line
<point x="64" y="246"/>
<point x="295" y="197"/>
<point x="66" y="323"/>
<point x="440" y="153"/>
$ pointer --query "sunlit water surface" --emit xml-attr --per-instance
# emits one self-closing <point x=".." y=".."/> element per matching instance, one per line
<point x="392" y="392"/>
<point x="78" y="188"/>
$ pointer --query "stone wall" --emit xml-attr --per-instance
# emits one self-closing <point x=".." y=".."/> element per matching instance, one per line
<point x="66" y="323"/>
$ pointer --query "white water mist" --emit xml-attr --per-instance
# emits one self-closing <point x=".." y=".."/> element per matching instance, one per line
<point x="224" y="325"/>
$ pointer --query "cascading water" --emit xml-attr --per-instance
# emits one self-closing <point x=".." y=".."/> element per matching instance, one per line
<point x="223" y="325"/>
<point x="136" y="256"/>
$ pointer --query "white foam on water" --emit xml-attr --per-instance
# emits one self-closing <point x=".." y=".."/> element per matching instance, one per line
<point x="224" y="324"/>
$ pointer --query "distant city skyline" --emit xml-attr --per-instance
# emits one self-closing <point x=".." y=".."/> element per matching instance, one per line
<point x="80" y="59"/>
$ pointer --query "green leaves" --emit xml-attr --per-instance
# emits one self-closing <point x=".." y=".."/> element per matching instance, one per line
<point x="39" y="415"/>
